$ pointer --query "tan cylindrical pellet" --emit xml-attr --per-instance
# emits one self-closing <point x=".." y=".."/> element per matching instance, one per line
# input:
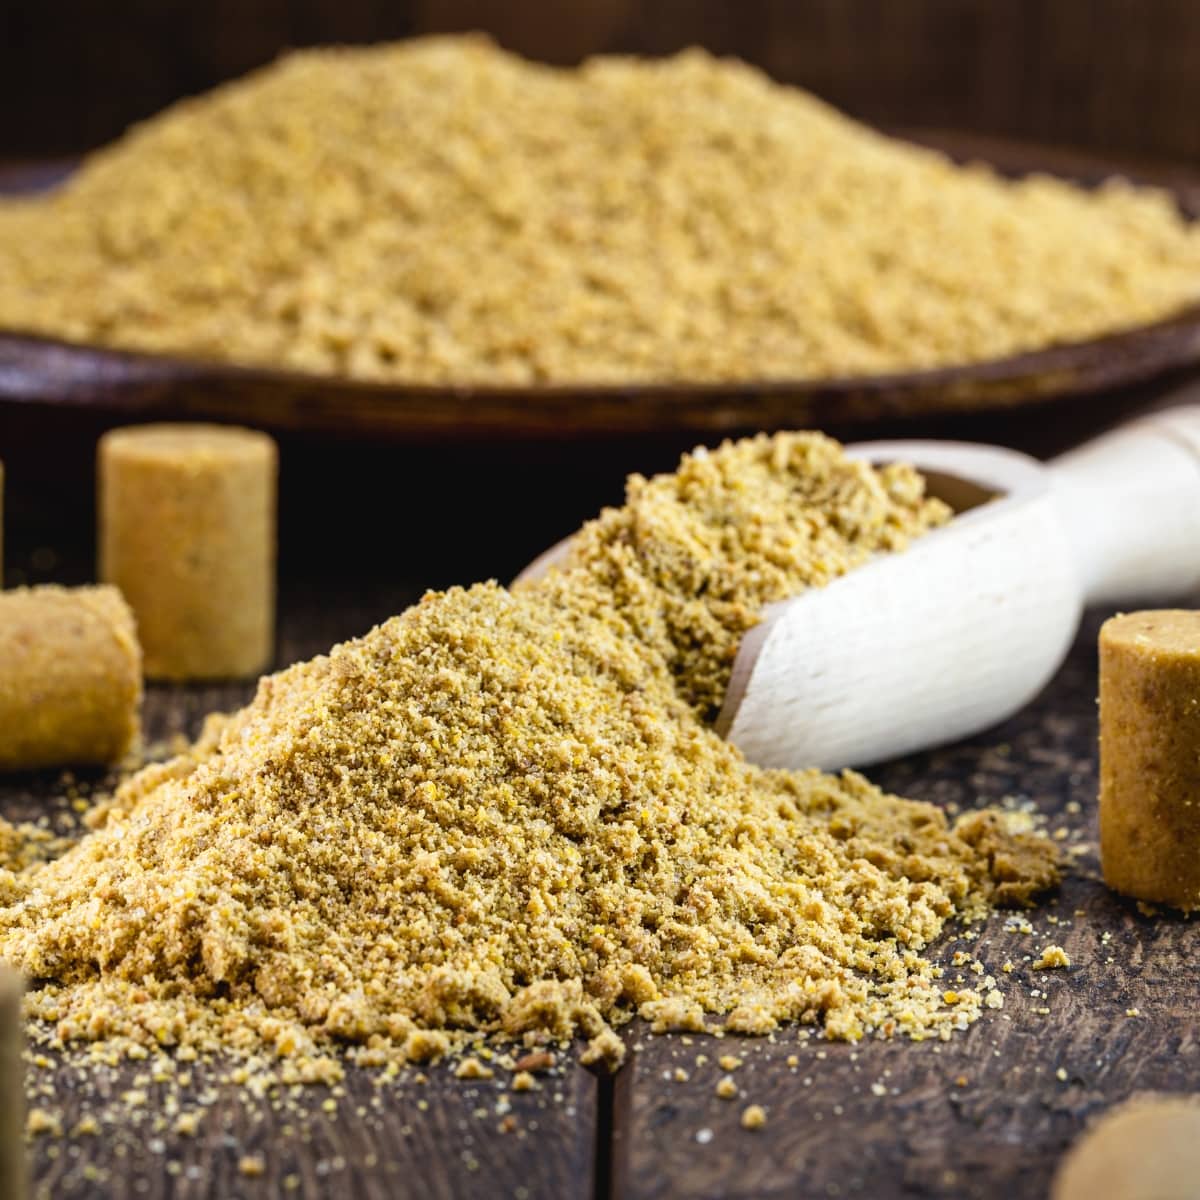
<point x="1147" y="1150"/>
<point x="14" y="1174"/>
<point x="187" y="532"/>
<point x="70" y="676"/>
<point x="1150" y="756"/>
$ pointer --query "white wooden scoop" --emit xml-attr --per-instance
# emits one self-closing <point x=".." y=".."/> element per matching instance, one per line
<point x="917" y="649"/>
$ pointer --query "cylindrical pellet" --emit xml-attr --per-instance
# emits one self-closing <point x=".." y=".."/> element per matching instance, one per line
<point x="14" y="1177"/>
<point x="70" y="676"/>
<point x="1150" y="756"/>
<point x="187" y="532"/>
<point x="1147" y="1150"/>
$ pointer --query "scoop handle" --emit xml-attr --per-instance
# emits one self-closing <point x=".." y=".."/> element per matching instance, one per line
<point x="1130" y="505"/>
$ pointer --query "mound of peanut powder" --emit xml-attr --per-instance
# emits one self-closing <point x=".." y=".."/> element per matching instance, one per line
<point x="505" y="811"/>
<point x="440" y="211"/>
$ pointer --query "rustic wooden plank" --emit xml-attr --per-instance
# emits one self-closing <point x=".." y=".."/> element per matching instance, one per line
<point x="987" y="1114"/>
<point x="443" y="1138"/>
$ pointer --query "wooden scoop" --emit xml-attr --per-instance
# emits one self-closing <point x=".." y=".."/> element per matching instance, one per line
<point x="917" y="649"/>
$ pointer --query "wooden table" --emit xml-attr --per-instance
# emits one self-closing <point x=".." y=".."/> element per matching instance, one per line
<point x="985" y="1115"/>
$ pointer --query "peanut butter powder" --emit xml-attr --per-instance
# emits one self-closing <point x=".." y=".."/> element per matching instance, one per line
<point x="505" y="811"/>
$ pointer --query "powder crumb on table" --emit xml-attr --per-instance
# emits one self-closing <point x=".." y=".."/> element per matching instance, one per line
<point x="726" y="1088"/>
<point x="252" y="1166"/>
<point x="1052" y="958"/>
<point x="38" y="1121"/>
<point x="754" y="1117"/>
<point x="626" y="220"/>
<point x="472" y="1068"/>
<point x="517" y="781"/>
<point x="539" y="1060"/>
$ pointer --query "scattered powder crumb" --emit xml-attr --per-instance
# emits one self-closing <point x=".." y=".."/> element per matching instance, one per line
<point x="252" y="1165"/>
<point x="726" y="1089"/>
<point x="754" y="1117"/>
<point x="1061" y="1074"/>
<point x="1133" y="1012"/>
<point x="39" y="1121"/>
<point x="472" y="1068"/>
<point x="1051" y="958"/>
<point x="523" y="1082"/>
<point x="607" y="1048"/>
<point x="539" y="1060"/>
<point x="729" y="1062"/>
<point x="878" y="1089"/>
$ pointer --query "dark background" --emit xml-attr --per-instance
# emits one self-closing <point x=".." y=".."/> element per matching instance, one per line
<point x="1110" y="75"/>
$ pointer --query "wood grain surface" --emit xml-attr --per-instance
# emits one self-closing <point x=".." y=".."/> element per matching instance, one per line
<point x="442" y="1139"/>
<point x="984" y="1116"/>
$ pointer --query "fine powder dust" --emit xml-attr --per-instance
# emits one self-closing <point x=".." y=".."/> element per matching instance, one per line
<point x="439" y="211"/>
<point x="503" y="811"/>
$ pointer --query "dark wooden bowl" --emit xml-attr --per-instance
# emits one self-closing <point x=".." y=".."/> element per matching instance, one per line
<point x="128" y="386"/>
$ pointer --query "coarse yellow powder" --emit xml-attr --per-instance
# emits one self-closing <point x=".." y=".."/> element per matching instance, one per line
<point x="439" y="211"/>
<point x="504" y="812"/>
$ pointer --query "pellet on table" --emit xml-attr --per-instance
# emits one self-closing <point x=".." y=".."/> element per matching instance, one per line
<point x="1150" y="756"/>
<point x="70" y="676"/>
<point x="1147" y="1149"/>
<point x="187" y="531"/>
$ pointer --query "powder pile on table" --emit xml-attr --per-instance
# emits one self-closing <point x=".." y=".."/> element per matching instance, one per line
<point x="440" y="211"/>
<point x="503" y="811"/>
